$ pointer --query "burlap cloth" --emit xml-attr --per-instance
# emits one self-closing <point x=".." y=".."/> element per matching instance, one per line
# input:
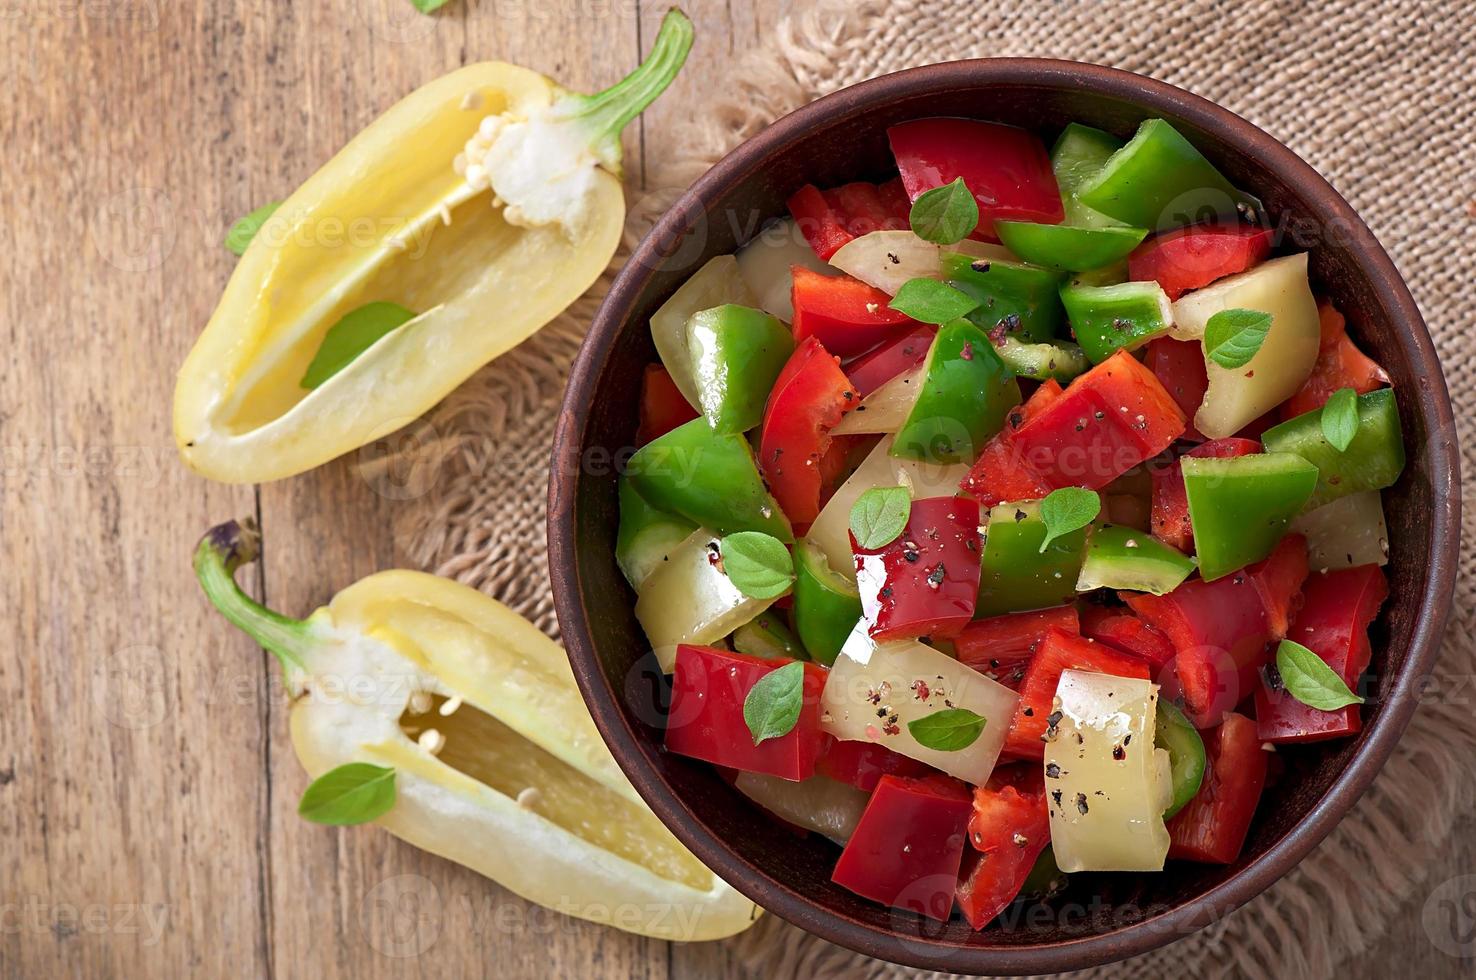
<point x="1376" y="95"/>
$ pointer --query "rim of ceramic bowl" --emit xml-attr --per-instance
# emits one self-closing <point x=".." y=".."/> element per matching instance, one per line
<point x="775" y="896"/>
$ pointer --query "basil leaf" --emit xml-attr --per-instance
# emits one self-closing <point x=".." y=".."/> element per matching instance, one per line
<point x="427" y="6"/>
<point x="1067" y="509"/>
<point x="246" y="228"/>
<point x="757" y="563"/>
<point x="930" y="301"/>
<point x="1340" y="419"/>
<point x="945" y="214"/>
<point x="879" y="515"/>
<point x="1309" y="679"/>
<point x="352" y="336"/>
<point x="1232" y="337"/>
<point x="772" y="707"/>
<point x="948" y="730"/>
<point x="351" y="794"/>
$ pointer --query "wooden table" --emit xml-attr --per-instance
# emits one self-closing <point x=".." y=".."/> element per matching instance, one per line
<point x="146" y="785"/>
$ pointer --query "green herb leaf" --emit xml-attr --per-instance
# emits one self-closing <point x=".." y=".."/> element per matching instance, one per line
<point x="931" y="301"/>
<point x="352" y="336"/>
<point x="772" y="707"/>
<point x="428" y="6"/>
<point x="948" y="730"/>
<point x="1340" y="419"/>
<point x="246" y="228"/>
<point x="351" y="794"/>
<point x="879" y="515"/>
<point x="1067" y="509"/>
<point x="945" y="214"/>
<point x="757" y="563"/>
<point x="1309" y="679"/>
<point x="1232" y="337"/>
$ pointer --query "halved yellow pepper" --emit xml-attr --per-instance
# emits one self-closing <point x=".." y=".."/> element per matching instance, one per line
<point x="485" y="253"/>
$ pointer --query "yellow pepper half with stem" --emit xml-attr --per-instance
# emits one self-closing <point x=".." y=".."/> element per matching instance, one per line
<point x="484" y="203"/>
<point x="496" y="763"/>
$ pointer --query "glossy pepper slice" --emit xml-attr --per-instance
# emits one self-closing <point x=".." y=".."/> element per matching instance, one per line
<point x="1372" y="461"/>
<point x="767" y="637"/>
<point x="1000" y="472"/>
<point x="1120" y="557"/>
<point x="1181" y="740"/>
<point x="926" y="582"/>
<point x="1179" y="367"/>
<point x="1058" y="651"/>
<point x="705" y="720"/>
<point x="846" y="315"/>
<point x="1007" y="169"/>
<point x="1079" y="155"/>
<point x="1001" y="646"/>
<point x="1159" y="180"/>
<point x="1211" y="829"/>
<point x="1170" y="515"/>
<point x="962" y="400"/>
<point x="1067" y="246"/>
<point x="1054" y="360"/>
<point x="863" y="764"/>
<point x="663" y="406"/>
<point x="1340" y="364"/>
<point x="709" y="478"/>
<point x="737" y="353"/>
<point x="830" y="219"/>
<point x="1015" y="574"/>
<point x="1188" y="258"/>
<point x="1008" y="830"/>
<point x="646" y="535"/>
<point x="826" y="603"/>
<point x="1123" y="631"/>
<point x="1016" y="299"/>
<point x="1107" y="319"/>
<point x="1241" y="506"/>
<point x="1337" y="608"/>
<point x="894" y="357"/>
<point x="809" y="398"/>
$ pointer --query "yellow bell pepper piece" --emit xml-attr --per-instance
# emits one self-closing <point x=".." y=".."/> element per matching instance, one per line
<point x="498" y="765"/>
<point x="486" y="202"/>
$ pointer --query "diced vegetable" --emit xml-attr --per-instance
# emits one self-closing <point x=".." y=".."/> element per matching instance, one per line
<point x="811" y="395"/>
<point x="1340" y="364"/>
<point x="663" y="406"/>
<point x="765" y="264"/>
<point x="830" y="219"/>
<point x="1069" y="247"/>
<point x="737" y="352"/>
<point x="886" y="408"/>
<point x="1017" y="299"/>
<point x="1001" y="646"/>
<point x="966" y="391"/>
<point x="705" y="721"/>
<point x="1346" y="533"/>
<point x="1159" y="180"/>
<point x="826" y="603"/>
<point x="646" y="535"/>
<point x="876" y="690"/>
<point x="1372" y="461"/>
<point x="1126" y="558"/>
<point x="887" y="259"/>
<point x="766" y="637"/>
<point x="863" y="764"/>
<point x="1240" y="507"/>
<point x="907" y="848"/>
<point x="895" y="357"/>
<point x="1107" y="319"/>
<point x="926" y="582"/>
<point x="1053" y="360"/>
<point x="1000" y="472"/>
<point x="1212" y="828"/>
<point x="1170" y="520"/>
<point x="1192" y="257"/>
<point x="846" y="315"/>
<point x="1008" y="830"/>
<point x="1238" y="396"/>
<point x="1058" y="651"/>
<point x="1106" y="783"/>
<point x="1079" y="155"/>
<point x="1185" y="748"/>
<point x="1123" y="631"/>
<point x="828" y="808"/>
<point x="716" y="283"/>
<point x="1179" y="367"/>
<point x="709" y="478"/>
<point x="1015" y="574"/>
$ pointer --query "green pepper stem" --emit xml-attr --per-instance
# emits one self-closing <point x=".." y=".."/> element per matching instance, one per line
<point x="221" y="551"/>
<point x="607" y="113"/>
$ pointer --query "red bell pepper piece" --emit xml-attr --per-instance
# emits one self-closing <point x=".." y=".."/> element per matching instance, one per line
<point x="1008" y="829"/>
<point x="1109" y="420"/>
<point x="906" y="849"/>
<point x="926" y="582"/>
<point x="1001" y="646"/>
<point x="1188" y="258"/>
<point x="1340" y="364"/>
<point x="1337" y="608"/>
<point x="1007" y="169"/>
<point x="863" y="764"/>
<point x="1170" y="515"/>
<point x="809" y="398"/>
<point x="1212" y="827"/>
<point x="1059" y="651"/>
<point x="872" y="370"/>
<point x="830" y="219"/>
<point x="1123" y="631"/>
<point x="846" y="315"/>
<point x="663" y="406"/>
<point x="705" y="721"/>
<point x="999" y="474"/>
<point x="819" y="220"/>
<point x="1220" y="629"/>
<point x="1179" y="367"/>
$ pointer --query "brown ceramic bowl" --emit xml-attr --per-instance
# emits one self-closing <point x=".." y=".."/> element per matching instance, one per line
<point x="1101" y="917"/>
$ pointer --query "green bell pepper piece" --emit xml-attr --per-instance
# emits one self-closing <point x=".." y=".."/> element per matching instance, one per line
<point x="645" y="534"/>
<point x="1106" y="319"/>
<point x="1046" y="879"/>
<point x="1014" y="574"/>
<point x="1159" y="180"/>
<point x="1173" y="733"/>
<point x="1120" y="557"/>
<point x="1372" y="461"/>
<point x="1108" y="275"/>
<point x="1053" y="359"/>
<point x="707" y="477"/>
<point x="1024" y="299"/>
<point x="826" y="603"/>
<point x="766" y="636"/>
<point x="1239" y="508"/>
<point x="965" y="393"/>
<point x="1079" y="155"/>
<point x="1068" y="246"/>
<point x="737" y="352"/>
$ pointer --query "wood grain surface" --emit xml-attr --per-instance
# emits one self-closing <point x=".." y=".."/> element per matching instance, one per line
<point x="147" y="789"/>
